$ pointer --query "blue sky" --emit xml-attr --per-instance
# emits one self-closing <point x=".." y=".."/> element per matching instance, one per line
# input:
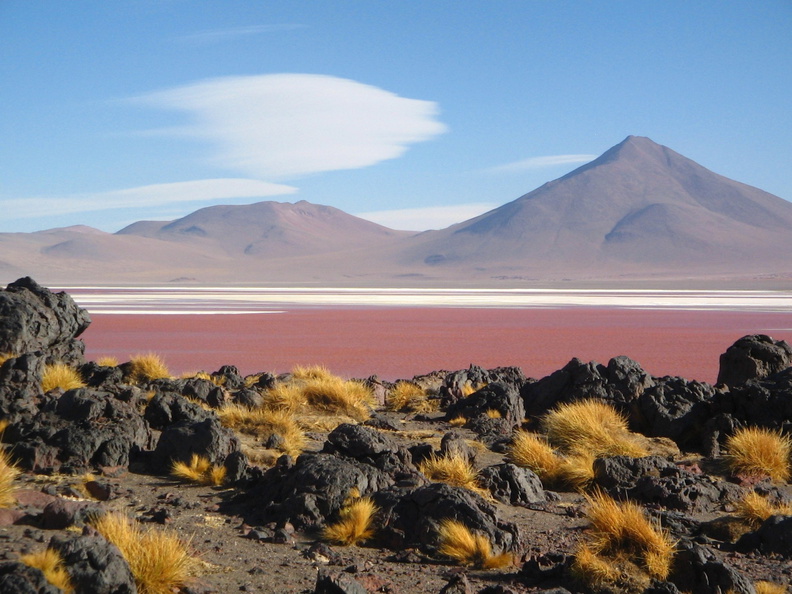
<point x="414" y="114"/>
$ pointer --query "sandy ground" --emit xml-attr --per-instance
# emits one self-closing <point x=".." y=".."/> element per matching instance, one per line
<point x="403" y="342"/>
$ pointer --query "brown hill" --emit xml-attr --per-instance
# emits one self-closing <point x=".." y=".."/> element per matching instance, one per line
<point x="640" y="208"/>
<point x="271" y="229"/>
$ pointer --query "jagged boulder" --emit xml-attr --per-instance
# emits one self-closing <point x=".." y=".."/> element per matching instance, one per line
<point x="34" y="319"/>
<point x="619" y="383"/>
<point x="458" y="383"/>
<point x="696" y="569"/>
<point x="675" y="408"/>
<point x="512" y="485"/>
<point x="411" y="518"/>
<point x="309" y="491"/>
<point x="774" y="536"/>
<point x="18" y="578"/>
<point x="95" y="565"/>
<point x="207" y="438"/>
<point x="501" y="397"/>
<point x="755" y="356"/>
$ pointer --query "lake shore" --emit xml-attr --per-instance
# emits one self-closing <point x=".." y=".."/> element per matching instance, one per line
<point x="400" y="342"/>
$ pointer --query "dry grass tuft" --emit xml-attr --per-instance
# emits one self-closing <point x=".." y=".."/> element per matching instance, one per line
<point x="5" y="357"/>
<point x="311" y="372"/>
<point x="107" y="362"/>
<point x="60" y="375"/>
<point x="469" y="388"/>
<point x="753" y="509"/>
<point x="593" y="569"/>
<point x="593" y="427"/>
<point x="759" y="452"/>
<point x="459" y="543"/>
<point x="159" y="560"/>
<point x="458" y="421"/>
<point x="453" y="470"/>
<point x="8" y="475"/>
<point x="493" y="413"/>
<point x="263" y="423"/>
<point x="407" y="396"/>
<point x="338" y="396"/>
<point x="200" y="470"/>
<point x="354" y="523"/>
<point x="576" y="472"/>
<point x="50" y="563"/>
<point x="763" y="587"/>
<point x="147" y="367"/>
<point x="531" y="451"/>
<point x="622" y="529"/>
<point x="285" y="396"/>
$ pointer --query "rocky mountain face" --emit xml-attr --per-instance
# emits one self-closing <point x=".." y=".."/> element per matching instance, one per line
<point x="639" y="211"/>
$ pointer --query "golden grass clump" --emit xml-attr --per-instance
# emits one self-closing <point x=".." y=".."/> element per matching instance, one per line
<point x="458" y="421"/>
<point x="408" y="396"/>
<point x="764" y="587"/>
<point x="354" y="524"/>
<point x="50" y="563"/>
<point x="592" y="568"/>
<point x="591" y="426"/>
<point x="338" y="396"/>
<point x="200" y="470"/>
<point x="622" y="531"/>
<point x="285" y="396"/>
<point x="311" y="372"/>
<point x="531" y="451"/>
<point x="458" y="542"/>
<point x="8" y="474"/>
<point x="159" y="560"/>
<point x="147" y="367"/>
<point x="753" y="509"/>
<point x="759" y="452"/>
<point x="107" y="362"/>
<point x="264" y="422"/>
<point x="60" y="375"/>
<point x="454" y="470"/>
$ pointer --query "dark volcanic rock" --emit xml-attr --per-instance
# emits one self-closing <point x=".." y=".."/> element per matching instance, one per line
<point x="619" y="384"/>
<point x="753" y="357"/>
<point x="457" y="383"/>
<point x="18" y="578"/>
<point x="511" y="484"/>
<point x="412" y="518"/>
<point x="95" y="565"/>
<point x="338" y="583"/>
<point x="773" y="536"/>
<point x="310" y="490"/>
<point x="207" y="438"/>
<point x="675" y="408"/>
<point x="696" y="569"/>
<point x="502" y="397"/>
<point x="34" y="319"/>
<point x="618" y="475"/>
<point x="167" y="408"/>
<point x="358" y="441"/>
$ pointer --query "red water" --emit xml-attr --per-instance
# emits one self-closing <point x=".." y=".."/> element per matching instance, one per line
<point x="403" y="342"/>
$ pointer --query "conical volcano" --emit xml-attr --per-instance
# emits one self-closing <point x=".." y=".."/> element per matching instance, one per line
<point x="638" y="208"/>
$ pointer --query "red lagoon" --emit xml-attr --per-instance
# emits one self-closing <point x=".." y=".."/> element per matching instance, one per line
<point x="402" y="342"/>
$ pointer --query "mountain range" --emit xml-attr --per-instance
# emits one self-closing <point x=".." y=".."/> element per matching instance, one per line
<point x="638" y="212"/>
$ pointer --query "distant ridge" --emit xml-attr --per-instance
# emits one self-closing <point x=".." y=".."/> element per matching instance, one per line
<point x="638" y="212"/>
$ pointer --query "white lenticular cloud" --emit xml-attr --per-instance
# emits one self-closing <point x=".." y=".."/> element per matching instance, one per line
<point x="541" y="162"/>
<point x="431" y="217"/>
<point x="156" y="195"/>
<point x="281" y="126"/>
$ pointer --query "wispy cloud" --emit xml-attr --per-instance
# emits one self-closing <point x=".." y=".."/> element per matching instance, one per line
<point x="156" y="195"/>
<point x="431" y="217"/>
<point x="281" y="126"/>
<point x="540" y="163"/>
<point x="219" y="35"/>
